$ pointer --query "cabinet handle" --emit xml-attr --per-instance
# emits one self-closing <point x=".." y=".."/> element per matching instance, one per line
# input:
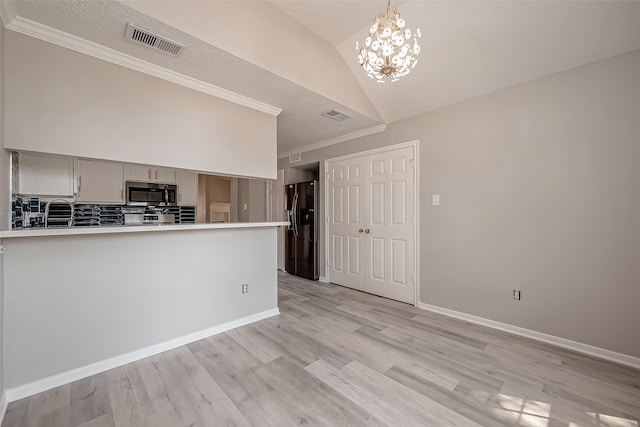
<point x="156" y="174"/>
<point x="149" y="174"/>
<point x="121" y="194"/>
<point x="360" y="231"/>
<point x="367" y="231"/>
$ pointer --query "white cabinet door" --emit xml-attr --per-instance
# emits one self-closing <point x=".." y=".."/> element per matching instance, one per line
<point x="46" y="176"/>
<point x="163" y="175"/>
<point x="138" y="173"/>
<point x="143" y="173"/>
<point x="187" y="188"/>
<point x="100" y="182"/>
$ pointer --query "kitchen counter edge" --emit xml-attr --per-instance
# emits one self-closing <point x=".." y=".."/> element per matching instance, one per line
<point x="134" y="229"/>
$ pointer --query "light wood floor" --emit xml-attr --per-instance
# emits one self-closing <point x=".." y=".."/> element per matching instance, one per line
<point x="338" y="357"/>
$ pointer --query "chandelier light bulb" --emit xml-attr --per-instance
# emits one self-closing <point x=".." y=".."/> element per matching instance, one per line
<point x="389" y="50"/>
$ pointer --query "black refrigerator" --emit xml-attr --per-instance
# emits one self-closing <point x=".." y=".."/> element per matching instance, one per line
<point x="301" y="243"/>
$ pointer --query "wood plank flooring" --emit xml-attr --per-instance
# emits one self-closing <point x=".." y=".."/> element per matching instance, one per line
<point x="338" y="357"/>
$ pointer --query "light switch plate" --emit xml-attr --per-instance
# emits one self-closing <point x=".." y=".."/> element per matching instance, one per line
<point x="435" y="199"/>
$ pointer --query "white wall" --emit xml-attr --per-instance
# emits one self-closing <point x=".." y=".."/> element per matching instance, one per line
<point x="88" y="300"/>
<point x="540" y="191"/>
<point x="65" y="102"/>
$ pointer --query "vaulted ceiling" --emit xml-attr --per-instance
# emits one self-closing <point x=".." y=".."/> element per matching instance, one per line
<point x="299" y="55"/>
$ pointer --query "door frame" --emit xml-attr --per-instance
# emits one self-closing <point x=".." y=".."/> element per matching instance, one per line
<point x="416" y="206"/>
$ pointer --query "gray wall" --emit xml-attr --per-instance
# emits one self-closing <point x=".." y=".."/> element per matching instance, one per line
<point x="540" y="191"/>
<point x="293" y="175"/>
<point x="89" y="300"/>
<point x="253" y="193"/>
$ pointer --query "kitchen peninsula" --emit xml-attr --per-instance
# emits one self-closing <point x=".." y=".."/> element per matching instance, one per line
<point x="104" y="263"/>
<point x="82" y="299"/>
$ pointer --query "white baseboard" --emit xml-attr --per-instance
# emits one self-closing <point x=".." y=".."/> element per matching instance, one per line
<point x="57" y="380"/>
<point x="579" y="347"/>
<point x="323" y="279"/>
<point x="3" y="406"/>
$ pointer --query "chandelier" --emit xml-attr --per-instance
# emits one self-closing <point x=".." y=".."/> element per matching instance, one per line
<point x="390" y="49"/>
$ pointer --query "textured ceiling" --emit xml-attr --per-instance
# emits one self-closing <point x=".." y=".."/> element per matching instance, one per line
<point x="469" y="48"/>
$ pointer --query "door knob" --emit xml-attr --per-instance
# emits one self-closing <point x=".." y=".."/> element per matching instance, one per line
<point x="360" y="231"/>
<point x="367" y="231"/>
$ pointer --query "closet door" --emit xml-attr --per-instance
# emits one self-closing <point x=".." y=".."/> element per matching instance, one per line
<point x="346" y="234"/>
<point x="388" y="242"/>
<point x="371" y="208"/>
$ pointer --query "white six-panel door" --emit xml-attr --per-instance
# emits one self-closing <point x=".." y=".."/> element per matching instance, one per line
<point x="346" y="251"/>
<point x="371" y="223"/>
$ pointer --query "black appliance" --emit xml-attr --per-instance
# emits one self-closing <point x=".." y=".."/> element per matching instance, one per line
<point x="301" y="243"/>
<point x="150" y="194"/>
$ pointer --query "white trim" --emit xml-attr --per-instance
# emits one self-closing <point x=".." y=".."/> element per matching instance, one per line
<point x="57" y="380"/>
<point x="322" y="279"/>
<point x="3" y="405"/>
<point x="336" y="140"/>
<point x="579" y="347"/>
<point x="60" y="38"/>
<point x="416" y="182"/>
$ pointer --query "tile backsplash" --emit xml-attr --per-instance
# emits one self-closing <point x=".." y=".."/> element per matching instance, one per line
<point x="29" y="212"/>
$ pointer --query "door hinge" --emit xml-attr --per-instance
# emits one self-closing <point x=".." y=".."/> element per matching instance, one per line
<point x="328" y="220"/>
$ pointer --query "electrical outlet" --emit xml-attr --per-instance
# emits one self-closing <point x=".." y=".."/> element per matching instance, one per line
<point x="435" y="199"/>
<point x="245" y="288"/>
<point x="516" y="295"/>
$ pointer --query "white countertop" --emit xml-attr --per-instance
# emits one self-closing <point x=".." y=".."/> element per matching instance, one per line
<point x="41" y="232"/>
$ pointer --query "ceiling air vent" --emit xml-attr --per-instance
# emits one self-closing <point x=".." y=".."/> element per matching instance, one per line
<point x="295" y="157"/>
<point x="142" y="36"/>
<point x="336" y="115"/>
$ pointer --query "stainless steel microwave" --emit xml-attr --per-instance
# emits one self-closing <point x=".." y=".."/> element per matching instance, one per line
<point x="150" y="194"/>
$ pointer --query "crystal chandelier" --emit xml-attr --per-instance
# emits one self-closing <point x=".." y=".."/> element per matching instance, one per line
<point x="390" y="49"/>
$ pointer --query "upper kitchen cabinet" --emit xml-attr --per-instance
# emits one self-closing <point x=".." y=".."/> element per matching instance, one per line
<point x="187" y="188"/>
<point x="100" y="182"/>
<point x="143" y="173"/>
<point x="45" y="175"/>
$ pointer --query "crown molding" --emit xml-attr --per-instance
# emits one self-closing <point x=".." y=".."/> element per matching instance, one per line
<point x="336" y="140"/>
<point x="69" y="41"/>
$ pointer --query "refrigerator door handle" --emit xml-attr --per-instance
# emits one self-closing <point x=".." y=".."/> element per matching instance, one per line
<point x="294" y="214"/>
